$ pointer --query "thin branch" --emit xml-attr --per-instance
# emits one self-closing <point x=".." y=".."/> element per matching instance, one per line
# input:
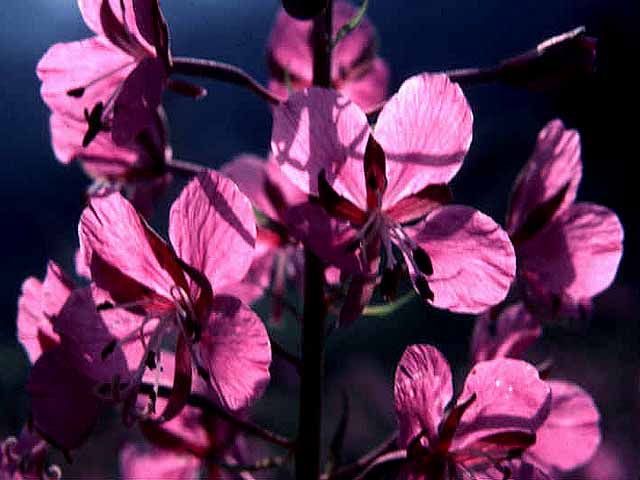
<point x="223" y="72"/>
<point x="395" y="456"/>
<point x="184" y="168"/>
<point x="348" y="471"/>
<point x="200" y="401"/>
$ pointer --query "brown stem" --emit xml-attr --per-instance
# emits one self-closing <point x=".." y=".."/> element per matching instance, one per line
<point x="200" y="401"/>
<point x="181" y="167"/>
<point x="222" y="72"/>
<point x="307" y="455"/>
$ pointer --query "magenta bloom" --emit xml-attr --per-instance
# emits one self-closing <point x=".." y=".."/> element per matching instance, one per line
<point x="177" y="288"/>
<point x="495" y="419"/>
<point x="38" y="305"/>
<point x="356" y="70"/>
<point x="24" y="458"/>
<point x="567" y="251"/>
<point x="114" y="80"/>
<point x="385" y="190"/>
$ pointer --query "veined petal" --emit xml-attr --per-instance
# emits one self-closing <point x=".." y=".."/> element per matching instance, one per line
<point x="113" y="230"/>
<point x="318" y="129"/>
<point x="423" y="388"/>
<point x="236" y="350"/>
<point x="554" y="165"/>
<point x="425" y="130"/>
<point x="472" y="257"/>
<point x="577" y="255"/>
<point x="510" y="397"/>
<point x="136" y="105"/>
<point x="213" y="229"/>
<point x="505" y="334"/>
<point x="90" y="10"/>
<point x="570" y="435"/>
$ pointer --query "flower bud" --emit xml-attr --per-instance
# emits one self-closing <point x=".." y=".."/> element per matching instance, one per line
<point x="304" y="9"/>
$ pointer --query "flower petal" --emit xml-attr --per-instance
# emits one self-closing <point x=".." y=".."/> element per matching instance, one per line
<point x="423" y="388"/>
<point x="235" y="348"/>
<point x="111" y="229"/>
<point x="570" y="435"/>
<point x="136" y="105"/>
<point x="315" y="130"/>
<point x="425" y="130"/>
<point x="212" y="228"/>
<point x="369" y="87"/>
<point x="94" y="65"/>
<point x="510" y="397"/>
<point x="554" y="165"/>
<point x="472" y="257"/>
<point x="577" y="255"/>
<point x="63" y="406"/>
<point x="136" y="463"/>
<point x="508" y="333"/>
<point x="91" y="9"/>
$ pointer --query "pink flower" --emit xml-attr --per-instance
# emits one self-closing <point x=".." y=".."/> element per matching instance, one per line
<point x="114" y="80"/>
<point x="569" y="437"/>
<point x="177" y="288"/>
<point x="356" y="69"/>
<point x="495" y="419"/>
<point x="386" y="190"/>
<point x="567" y="251"/>
<point x="38" y="305"/>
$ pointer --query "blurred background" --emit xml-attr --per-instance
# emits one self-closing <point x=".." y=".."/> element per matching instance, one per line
<point x="41" y="200"/>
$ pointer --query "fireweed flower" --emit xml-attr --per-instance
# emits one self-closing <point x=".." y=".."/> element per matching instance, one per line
<point x="494" y="420"/>
<point x="178" y="288"/>
<point x="356" y="70"/>
<point x="567" y="251"/>
<point x="189" y="443"/>
<point x="569" y="437"/>
<point x="113" y="81"/>
<point x="385" y="190"/>
<point x="39" y="303"/>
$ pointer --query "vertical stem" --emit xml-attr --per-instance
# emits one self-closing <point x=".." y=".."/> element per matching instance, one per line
<point x="308" y="447"/>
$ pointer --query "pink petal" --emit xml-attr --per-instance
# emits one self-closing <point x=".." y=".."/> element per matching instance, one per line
<point x="577" y="255"/>
<point x="150" y="23"/>
<point x="87" y="333"/>
<point x="68" y="66"/>
<point x="63" y="406"/>
<point x="212" y="228"/>
<point x="423" y="388"/>
<point x="139" y="464"/>
<point x="509" y="334"/>
<point x="136" y="104"/>
<point x="254" y="176"/>
<point x="425" y="130"/>
<point x="510" y="397"/>
<point x="318" y="130"/>
<point x="473" y="259"/>
<point x="369" y="88"/>
<point x="235" y="347"/>
<point x="554" y="164"/>
<point x="570" y="435"/>
<point x="37" y="305"/>
<point x="111" y="229"/>
<point x="356" y="47"/>
<point x="90" y="10"/>
<point x="290" y="46"/>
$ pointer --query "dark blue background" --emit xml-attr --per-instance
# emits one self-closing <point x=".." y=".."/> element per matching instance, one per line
<point x="40" y="200"/>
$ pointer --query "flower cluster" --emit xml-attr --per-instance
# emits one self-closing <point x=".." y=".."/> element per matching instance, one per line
<point x="344" y="208"/>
